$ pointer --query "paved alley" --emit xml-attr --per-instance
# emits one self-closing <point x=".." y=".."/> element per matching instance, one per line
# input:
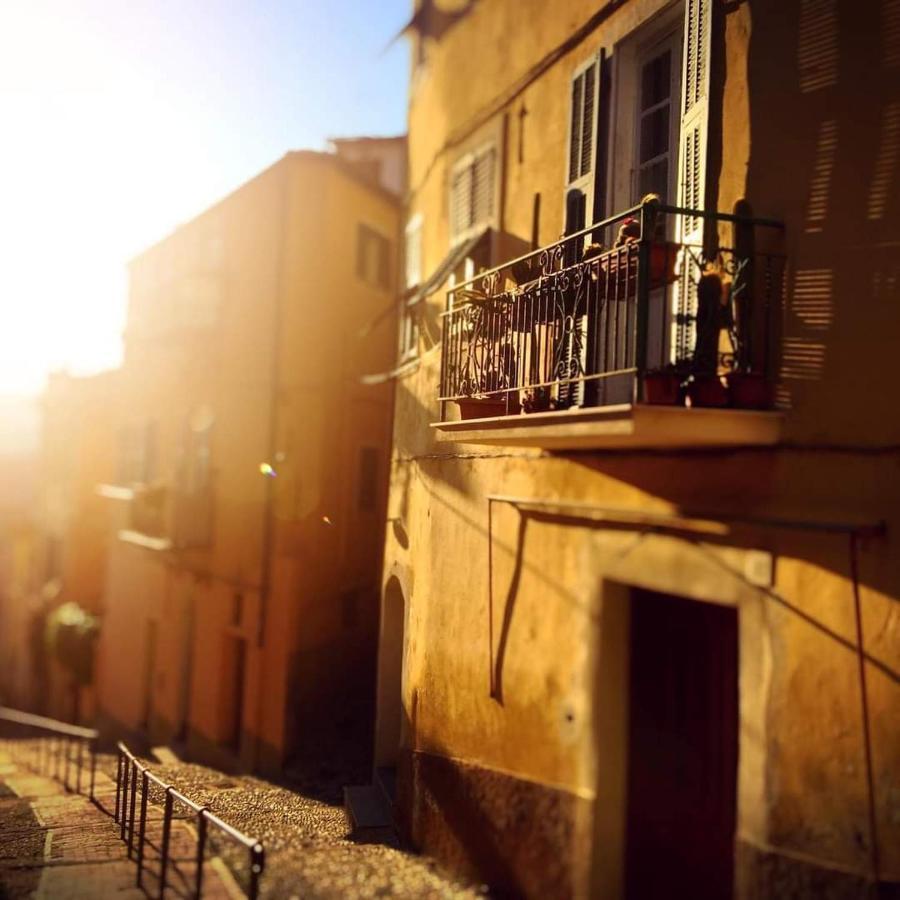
<point x="54" y="844"/>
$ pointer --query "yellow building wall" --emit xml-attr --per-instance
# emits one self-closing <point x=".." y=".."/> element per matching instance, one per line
<point x="284" y="342"/>
<point x="549" y="748"/>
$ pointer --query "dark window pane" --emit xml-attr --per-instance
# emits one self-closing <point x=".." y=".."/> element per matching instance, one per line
<point x="655" y="134"/>
<point x="654" y="179"/>
<point x="656" y="82"/>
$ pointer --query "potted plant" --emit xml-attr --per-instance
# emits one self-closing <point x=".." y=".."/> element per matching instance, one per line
<point x="707" y="390"/>
<point x="749" y="390"/>
<point x="663" y="386"/>
<point x="663" y="255"/>
<point x="536" y="399"/>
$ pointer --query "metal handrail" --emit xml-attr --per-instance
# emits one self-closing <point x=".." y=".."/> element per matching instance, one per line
<point x="609" y="221"/>
<point x="55" y="748"/>
<point x="128" y="771"/>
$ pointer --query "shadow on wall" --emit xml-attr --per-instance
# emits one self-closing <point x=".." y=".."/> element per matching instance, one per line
<point x="824" y="92"/>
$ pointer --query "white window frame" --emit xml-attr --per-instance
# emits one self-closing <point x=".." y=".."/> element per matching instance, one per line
<point x="672" y="41"/>
<point x="629" y="55"/>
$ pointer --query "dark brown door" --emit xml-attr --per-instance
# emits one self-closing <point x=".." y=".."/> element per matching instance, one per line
<point x="682" y="763"/>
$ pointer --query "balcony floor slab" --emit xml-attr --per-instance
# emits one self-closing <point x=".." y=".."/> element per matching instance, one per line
<point x="623" y="427"/>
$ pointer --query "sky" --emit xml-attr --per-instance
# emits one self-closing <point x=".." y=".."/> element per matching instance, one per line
<point x="119" y="119"/>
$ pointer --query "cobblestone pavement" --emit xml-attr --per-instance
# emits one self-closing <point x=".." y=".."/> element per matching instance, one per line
<point x="57" y="845"/>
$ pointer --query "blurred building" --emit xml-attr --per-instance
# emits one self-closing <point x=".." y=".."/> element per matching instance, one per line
<point x="19" y="545"/>
<point x="55" y="549"/>
<point x="242" y="583"/>
<point x="639" y="630"/>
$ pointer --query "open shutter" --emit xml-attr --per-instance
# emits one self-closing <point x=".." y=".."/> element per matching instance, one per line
<point x="693" y="154"/>
<point x="583" y="114"/>
<point x="483" y="187"/>
<point x="461" y="202"/>
<point x="694" y="112"/>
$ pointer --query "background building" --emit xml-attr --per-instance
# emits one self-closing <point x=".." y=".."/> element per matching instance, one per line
<point x="630" y="649"/>
<point x="55" y="548"/>
<point x="241" y="589"/>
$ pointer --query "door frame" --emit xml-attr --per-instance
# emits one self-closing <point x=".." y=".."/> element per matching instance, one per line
<point x="704" y="573"/>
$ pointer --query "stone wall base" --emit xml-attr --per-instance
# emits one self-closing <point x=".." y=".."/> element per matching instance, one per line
<point x="763" y="874"/>
<point x="521" y="838"/>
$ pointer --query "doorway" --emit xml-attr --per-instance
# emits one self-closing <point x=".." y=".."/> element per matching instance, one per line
<point x="235" y="664"/>
<point x="682" y="748"/>
<point x="390" y="725"/>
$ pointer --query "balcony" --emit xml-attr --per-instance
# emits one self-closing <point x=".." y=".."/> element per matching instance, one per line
<point x="159" y="518"/>
<point x="653" y="342"/>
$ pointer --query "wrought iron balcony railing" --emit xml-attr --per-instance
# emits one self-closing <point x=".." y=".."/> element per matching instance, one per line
<point x="619" y="313"/>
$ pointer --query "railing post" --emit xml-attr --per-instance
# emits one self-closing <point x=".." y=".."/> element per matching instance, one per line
<point x="257" y="863"/>
<point x="80" y="761"/>
<point x="201" y="850"/>
<point x="118" y="782"/>
<point x="649" y="217"/>
<point x="142" y="831"/>
<point x="124" y="796"/>
<point x="164" y="847"/>
<point x="131" y="809"/>
<point x="93" y="766"/>
<point x="67" y="744"/>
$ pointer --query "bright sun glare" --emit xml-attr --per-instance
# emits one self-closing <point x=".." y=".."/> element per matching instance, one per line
<point x="94" y="165"/>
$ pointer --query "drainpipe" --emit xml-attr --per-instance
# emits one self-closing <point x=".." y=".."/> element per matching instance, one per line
<point x="265" y="574"/>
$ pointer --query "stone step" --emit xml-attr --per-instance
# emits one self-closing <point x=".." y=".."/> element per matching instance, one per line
<point x="369" y="815"/>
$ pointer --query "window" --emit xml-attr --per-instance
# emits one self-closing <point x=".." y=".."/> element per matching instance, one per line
<point x="373" y="257"/>
<point x="194" y="509"/>
<point x="367" y="489"/>
<point x="472" y="186"/>
<point x="409" y="334"/>
<point x="656" y="121"/>
<point x="137" y="454"/>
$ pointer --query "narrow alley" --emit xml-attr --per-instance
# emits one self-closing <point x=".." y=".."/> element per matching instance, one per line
<point x="55" y="844"/>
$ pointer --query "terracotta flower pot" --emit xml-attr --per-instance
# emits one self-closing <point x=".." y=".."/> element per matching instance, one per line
<point x="708" y="390"/>
<point x="749" y="390"/>
<point x="662" y="262"/>
<point x="481" y="407"/>
<point x="662" y="388"/>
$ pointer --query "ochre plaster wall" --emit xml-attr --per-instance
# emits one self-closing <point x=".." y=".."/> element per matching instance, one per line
<point x="802" y="792"/>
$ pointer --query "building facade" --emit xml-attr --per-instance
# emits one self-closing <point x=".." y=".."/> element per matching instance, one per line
<point x="638" y="631"/>
<point x="56" y="550"/>
<point x="242" y="580"/>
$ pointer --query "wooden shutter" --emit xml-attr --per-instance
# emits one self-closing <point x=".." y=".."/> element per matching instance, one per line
<point x="694" y="113"/>
<point x="461" y="202"/>
<point x="583" y="116"/>
<point x="483" y="187"/>
<point x="472" y="190"/>
<point x="692" y="159"/>
<point x="413" y="252"/>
